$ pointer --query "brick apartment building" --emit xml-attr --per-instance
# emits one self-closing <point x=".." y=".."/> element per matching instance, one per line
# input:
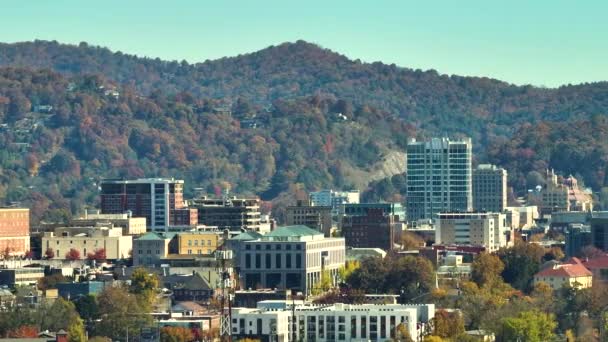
<point x="159" y="200"/>
<point x="375" y="229"/>
<point x="14" y="231"/>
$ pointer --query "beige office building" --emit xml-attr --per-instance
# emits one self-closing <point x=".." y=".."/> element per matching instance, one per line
<point x="314" y="217"/>
<point x="560" y="194"/>
<point x="477" y="229"/>
<point x="130" y="225"/>
<point x="87" y="240"/>
<point x="151" y="248"/>
<point x="199" y="243"/>
<point x="489" y="188"/>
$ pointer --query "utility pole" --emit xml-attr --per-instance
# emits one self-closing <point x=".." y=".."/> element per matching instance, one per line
<point x="293" y="317"/>
<point x="226" y="315"/>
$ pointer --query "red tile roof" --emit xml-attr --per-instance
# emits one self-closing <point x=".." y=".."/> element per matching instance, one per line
<point x="571" y="269"/>
<point x="599" y="262"/>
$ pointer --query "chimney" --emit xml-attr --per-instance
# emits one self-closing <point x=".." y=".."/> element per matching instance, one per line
<point x="61" y="336"/>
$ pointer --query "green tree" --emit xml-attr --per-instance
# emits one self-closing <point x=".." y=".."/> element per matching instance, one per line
<point x="521" y="262"/>
<point x="76" y="332"/>
<point x="144" y="285"/>
<point x="60" y="315"/>
<point x="87" y="307"/>
<point x="486" y="269"/>
<point x="410" y="276"/>
<point x="100" y="339"/>
<point x="176" y="334"/>
<point x="51" y="281"/>
<point x="120" y="311"/>
<point x="324" y="284"/>
<point x="370" y="276"/>
<point x="448" y="325"/>
<point x="529" y="326"/>
<point x="348" y="269"/>
<point x="432" y="338"/>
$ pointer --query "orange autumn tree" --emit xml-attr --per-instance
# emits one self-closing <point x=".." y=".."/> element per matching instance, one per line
<point x="176" y="334"/>
<point x="24" y="331"/>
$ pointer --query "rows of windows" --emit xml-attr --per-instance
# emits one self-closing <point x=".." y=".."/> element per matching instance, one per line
<point x="258" y="262"/>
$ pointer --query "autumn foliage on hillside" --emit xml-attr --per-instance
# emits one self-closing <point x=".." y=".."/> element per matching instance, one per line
<point x="293" y="116"/>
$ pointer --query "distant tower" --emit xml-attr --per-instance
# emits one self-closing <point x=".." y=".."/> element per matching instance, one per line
<point x="489" y="188"/>
<point x="439" y="177"/>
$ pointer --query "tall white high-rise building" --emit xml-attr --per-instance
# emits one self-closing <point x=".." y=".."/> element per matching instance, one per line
<point x="439" y="177"/>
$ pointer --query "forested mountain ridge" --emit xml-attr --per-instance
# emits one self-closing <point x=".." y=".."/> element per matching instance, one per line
<point x="266" y="121"/>
<point x="424" y="98"/>
<point x="61" y="135"/>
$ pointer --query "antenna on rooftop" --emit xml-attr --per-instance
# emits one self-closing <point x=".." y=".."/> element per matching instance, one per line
<point x="222" y="256"/>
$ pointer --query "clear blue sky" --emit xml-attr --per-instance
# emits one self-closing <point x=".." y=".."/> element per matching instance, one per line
<point x="540" y="42"/>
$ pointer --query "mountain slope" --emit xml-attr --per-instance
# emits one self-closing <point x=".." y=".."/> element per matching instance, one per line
<point x="61" y="135"/>
<point x="287" y="117"/>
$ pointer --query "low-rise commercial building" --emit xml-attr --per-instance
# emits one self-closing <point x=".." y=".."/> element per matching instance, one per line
<point x="521" y="217"/>
<point x="337" y="322"/>
<point x="130" y="225"/>
<point x="88" y="240"/>
<point x="199" y="243"/>
<point x="151" y="248"/>
<point x="20" y="276"/>
<point x="74" y="290"/>
<point x="480" y="229"/>
<point x="15" y="231"/>
<point x="290" y="257"/>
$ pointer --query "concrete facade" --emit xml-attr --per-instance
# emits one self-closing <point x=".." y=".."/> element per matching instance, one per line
<point x="439" y="177"/>
<point x="480" y="229"/>
<point x="314" y="217"/>
<point x="290" y="257"/>
<point x="200" y="243"/>
<point x="376" y="229"/>
<point x="230" y="213"/>
<point x="87" y="240"/>
<point x="130" y="225"/>
<point x="489" y="188"/>
<point x="150" y="248"/>
<point x="338" y="322"/>
<point x="159" y="200"/>
<point x="334" y="199"/>
<point x="14" y="231"/>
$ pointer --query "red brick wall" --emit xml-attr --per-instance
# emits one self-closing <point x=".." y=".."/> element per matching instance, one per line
<point x="14" y="222"/>
<point x="14" y="230"/>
